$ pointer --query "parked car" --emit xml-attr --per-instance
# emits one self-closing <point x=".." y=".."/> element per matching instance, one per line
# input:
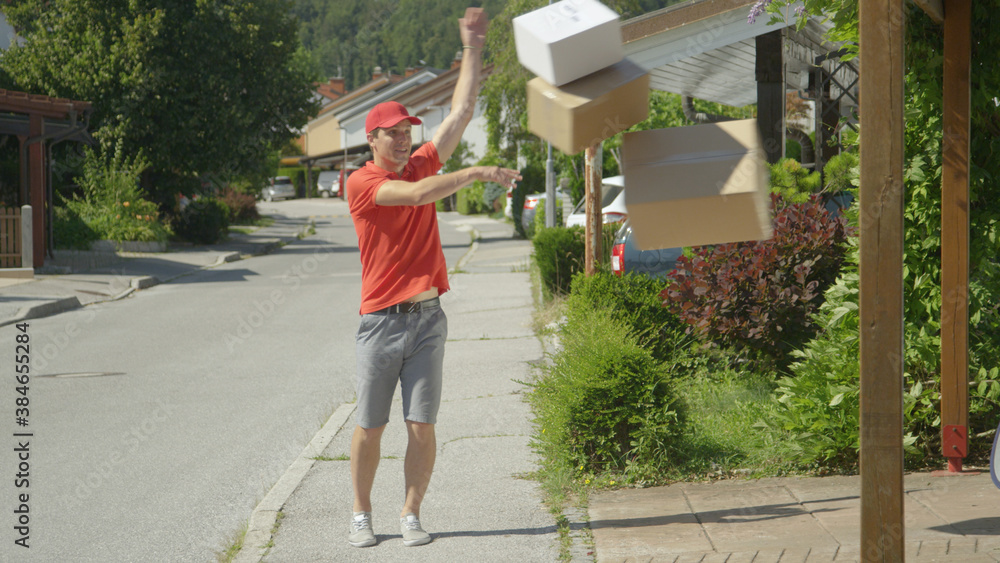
<point x="328" y="183"/>
<point x="612" y="203"/>
<point x="332" y="182"/>
<point x="626" y="256"/>
<point x="531" y="203"/>
<point x="280" y="187"/>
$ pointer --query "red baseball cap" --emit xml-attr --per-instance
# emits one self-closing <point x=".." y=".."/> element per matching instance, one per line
<point x="388" y="114"/>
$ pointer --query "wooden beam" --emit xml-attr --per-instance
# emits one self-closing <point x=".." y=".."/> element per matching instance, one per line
<point x="594" y="219"/>
<point x="36" y="187"/>
<point x="881" y="30"/>
<point x="686" y="13"/>
<point x="956" y="105"/>
<point x="933" y="8"/>
<point x="770" y="75"/>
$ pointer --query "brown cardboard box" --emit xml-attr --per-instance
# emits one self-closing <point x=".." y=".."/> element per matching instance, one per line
<point x="698" y="185"/>
<point x="588" y="110"/>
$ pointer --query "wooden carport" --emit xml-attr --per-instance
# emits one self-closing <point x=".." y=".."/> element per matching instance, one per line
<point x="882" y="37"/>
<point x="39" y="122"/>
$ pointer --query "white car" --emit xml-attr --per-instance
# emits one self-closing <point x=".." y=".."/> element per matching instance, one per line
<point x="531" y="204"/>
<point x="612" y="203"/>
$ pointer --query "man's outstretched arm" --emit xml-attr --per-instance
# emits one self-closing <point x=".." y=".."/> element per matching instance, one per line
<point x="433" y="188"/>
<point x="472" y="29"/>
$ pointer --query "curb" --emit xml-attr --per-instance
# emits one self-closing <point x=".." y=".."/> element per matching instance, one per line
<point x="226" y="258"/>
<point x="144" y="282"/>
<point x="43" y="310"/>
<point x="476" y="236"/>
<point x="135" y="284"/>
<point x="262" y="521"/>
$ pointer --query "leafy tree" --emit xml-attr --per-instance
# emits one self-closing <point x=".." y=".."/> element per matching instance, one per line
<point x="199" y="88"/>
<point x="349" y="38"/>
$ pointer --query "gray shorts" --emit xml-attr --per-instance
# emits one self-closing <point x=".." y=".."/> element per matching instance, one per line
<point x="404" y="347"/>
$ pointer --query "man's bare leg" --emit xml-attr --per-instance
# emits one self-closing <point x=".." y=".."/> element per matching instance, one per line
<point x="421" y="450"/>
<point x="366" y="450"/>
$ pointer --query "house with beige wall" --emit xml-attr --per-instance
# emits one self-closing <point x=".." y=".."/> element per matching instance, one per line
<point x="336" y="137"/>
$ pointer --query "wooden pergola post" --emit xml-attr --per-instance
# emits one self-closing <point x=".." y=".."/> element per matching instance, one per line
<point x="37" y="184"/>
<point x="881" y="270"/>
<point x="593" y="228"/>
<point x="956" y="104"/>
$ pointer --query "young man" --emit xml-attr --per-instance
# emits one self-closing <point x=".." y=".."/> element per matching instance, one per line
<point x="403" y="329"/>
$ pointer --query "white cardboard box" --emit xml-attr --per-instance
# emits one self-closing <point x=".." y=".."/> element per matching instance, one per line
<point x="697" y="185"/>
<point x="591" y="109"/>
<point x="568" y="40"/>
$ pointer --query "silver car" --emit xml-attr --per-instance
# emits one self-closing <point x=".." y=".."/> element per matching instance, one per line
<point x="280" y="187"/>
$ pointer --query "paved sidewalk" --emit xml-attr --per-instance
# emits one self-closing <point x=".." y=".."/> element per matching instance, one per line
<point x="481" y="506"/>
<point x="69" y="282"/>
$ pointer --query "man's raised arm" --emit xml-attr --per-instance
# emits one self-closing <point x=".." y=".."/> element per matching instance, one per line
<point x="472" y="29"/>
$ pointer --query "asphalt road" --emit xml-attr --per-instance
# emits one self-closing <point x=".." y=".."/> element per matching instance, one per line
<point x="161" y="420"/>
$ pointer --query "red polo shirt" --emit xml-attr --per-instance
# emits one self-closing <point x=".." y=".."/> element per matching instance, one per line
<point x="400" y="245"/>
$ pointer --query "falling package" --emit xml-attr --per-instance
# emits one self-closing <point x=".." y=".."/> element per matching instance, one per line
<point x="568" y="40"/>
<point x="698" y="185"/>
<point x="587" y="111"/>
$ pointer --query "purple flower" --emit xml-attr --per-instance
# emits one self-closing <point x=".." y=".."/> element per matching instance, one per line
<point x="800" y="11"/>
<point x="757" y="9"/>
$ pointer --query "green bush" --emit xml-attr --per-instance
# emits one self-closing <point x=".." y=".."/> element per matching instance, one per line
<point x="204" y="221"/>
<point x="470" y="200"/>
<point x="298" y="177"/>
<point x="113" y="206"/>
<point x="840" y="174"/>
<point x="559" y="253"/>
<point x="538" y="221"/>
<point x="819" y="402"/>
<point x="635" y="301"/>
<point x="605" y="403"/>
<point x="792" y="182"/>
<point x="70" y="231"/>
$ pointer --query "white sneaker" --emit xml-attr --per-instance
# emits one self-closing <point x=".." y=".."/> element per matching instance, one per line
<point x="413" y="534"/>
<point x="361" y="530"/>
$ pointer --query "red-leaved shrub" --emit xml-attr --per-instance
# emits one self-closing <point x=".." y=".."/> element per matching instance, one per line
<point x="757" y="297"/>
<point x="242" y="207"/>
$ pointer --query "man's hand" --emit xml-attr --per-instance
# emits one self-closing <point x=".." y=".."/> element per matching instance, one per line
<point x="506" y="177"/>
<point x="472" y="28"/>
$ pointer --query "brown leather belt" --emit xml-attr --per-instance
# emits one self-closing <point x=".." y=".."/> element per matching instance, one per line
<point x="409" y="307"/>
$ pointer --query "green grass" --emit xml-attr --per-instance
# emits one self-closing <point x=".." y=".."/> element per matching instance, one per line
<point x="235" y="544"/>
<point x="274" y="528"/>
<point x="262" y="222"/>
<point x="722" y="440"/>
<point x="341" y="457"/>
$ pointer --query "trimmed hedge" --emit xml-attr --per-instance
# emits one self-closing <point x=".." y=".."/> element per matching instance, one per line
<point x="204" y="221"/>
<point x="606" y="403"/>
